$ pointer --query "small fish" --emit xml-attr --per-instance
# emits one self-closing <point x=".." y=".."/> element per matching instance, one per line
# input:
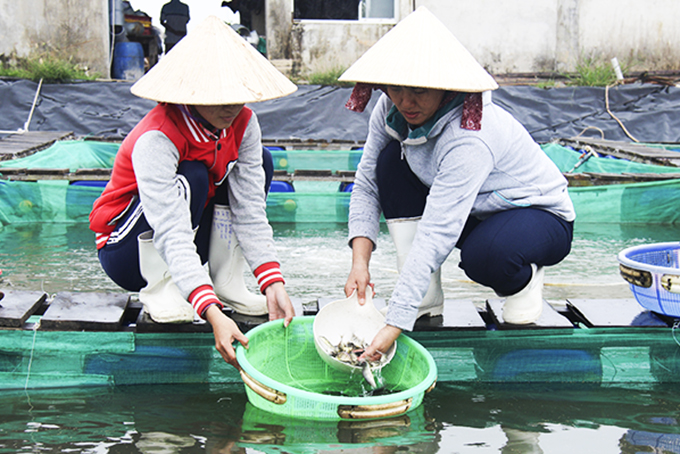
<point x="327" y="346"/>
<point x="368" y="374"/>
<point x="349" y="352"/>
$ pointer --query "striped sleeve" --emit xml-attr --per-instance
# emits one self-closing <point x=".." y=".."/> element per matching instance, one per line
<point x="203" y="297"/>
<point x="100" y="239"/>
<point x="267" y="274"/>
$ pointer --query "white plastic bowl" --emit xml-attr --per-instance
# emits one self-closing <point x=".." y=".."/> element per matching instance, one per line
<point x="341" y="320"/>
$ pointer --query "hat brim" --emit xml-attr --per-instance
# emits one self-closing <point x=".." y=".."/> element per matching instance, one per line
<point x="213" y="65"/>
<point x="420" y="52"/>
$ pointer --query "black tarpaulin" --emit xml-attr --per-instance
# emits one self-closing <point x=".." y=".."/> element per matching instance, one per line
<point x="317" y="113"/>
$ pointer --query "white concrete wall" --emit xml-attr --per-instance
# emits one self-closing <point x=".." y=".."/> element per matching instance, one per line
<point x="329" y="45"/>
<point x="68" y="28"/>
<point x="632" y="30"/>
<point x="548" y="35"/>
<point x="502" y="36"/>
<point x="322" y="45"/>
<point x="507" y="36"/>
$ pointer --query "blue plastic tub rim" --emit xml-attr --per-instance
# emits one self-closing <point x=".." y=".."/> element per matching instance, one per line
<point x="624" y="256"/>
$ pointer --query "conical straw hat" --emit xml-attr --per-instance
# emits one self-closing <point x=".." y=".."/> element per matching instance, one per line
<point x="420" y="52"/>
<point x="213" y="65"/>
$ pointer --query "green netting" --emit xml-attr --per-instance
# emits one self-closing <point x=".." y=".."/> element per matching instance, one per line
<point x="291" y="160"/>
<point x="637" y="203"/>
<point x="325" y="202"/>
<point x="601" y="357"/>
<point x="45" y="201"/>
<point x="70" y="155"/>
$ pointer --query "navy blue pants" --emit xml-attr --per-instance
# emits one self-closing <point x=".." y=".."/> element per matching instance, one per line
<point x="496" y="252"/>
<point x="120" y="260"/>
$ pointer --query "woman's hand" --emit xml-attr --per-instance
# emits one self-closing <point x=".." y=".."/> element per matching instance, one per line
<point x="278" y="303"/>
<point x="358" y="280"/>
<point x="381" y="343"/>
<point x="225" y="332"/>
<point x="359" y="276"/>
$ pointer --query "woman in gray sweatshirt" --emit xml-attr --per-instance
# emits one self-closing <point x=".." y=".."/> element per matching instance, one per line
<point x="448" y="168"/>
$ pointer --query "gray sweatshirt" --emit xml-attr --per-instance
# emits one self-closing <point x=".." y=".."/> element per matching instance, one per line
<point x="469" y="173"/>
<point x="163" y="196"/>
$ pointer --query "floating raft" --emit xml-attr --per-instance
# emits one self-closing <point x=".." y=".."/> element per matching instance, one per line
<point x="24" y="144"/>
<point x="105" y="339"/>
<point x="634" y="152"/>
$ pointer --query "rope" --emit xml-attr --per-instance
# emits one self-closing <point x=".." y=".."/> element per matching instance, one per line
<point x="606" y="100"/>
<point x="675" y="326"/>
<point x="30" y="360"/>
<point x="591" y="127"/>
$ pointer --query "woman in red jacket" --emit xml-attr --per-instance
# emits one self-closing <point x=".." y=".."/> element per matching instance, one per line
<point x="188" y="188"/>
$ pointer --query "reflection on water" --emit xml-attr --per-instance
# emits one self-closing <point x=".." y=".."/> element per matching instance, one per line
<point x="316" y="259"/>
<point x="188" y="419"/>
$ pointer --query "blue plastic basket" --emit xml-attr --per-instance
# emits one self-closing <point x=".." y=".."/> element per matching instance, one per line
<point x="653" y="272"/>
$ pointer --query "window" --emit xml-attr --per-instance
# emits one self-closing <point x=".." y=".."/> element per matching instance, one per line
<point x="376" y="9"/>
<point x="343" y="9"/>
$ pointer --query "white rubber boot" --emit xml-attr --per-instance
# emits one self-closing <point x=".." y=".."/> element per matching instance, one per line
<point x="521" y="442"/>
<point x="161" y="298"/>
<point x="525" y="306"/>
<point x="402" y="232"/>
<point x="226" y="264"/>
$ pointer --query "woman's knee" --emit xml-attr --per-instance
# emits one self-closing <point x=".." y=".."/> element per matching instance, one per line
<point x="499" y="252"/>
<point x="495" y="267"/>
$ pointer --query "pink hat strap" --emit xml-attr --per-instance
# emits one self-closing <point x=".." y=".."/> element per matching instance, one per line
<point x="472" y="112"/>
<point x="360" y="96"/>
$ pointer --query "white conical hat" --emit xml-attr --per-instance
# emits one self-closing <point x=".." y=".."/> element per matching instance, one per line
<point x="420" y="52"/>
<point x="213" y="65"/>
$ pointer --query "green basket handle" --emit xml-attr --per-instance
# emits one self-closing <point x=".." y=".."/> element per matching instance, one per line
<point x="263" y="391"/>
<point x="375" y="411"/>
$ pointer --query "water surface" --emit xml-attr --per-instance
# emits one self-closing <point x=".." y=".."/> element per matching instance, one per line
<point x="315" y="259"/>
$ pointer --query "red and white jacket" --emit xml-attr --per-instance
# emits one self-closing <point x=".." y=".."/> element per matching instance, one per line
<point x="146" y="167"/>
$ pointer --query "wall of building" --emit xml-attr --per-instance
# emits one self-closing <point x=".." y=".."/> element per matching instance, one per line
<point x="505" y="37"/>
<point x="321" y="45"/>
<point x="643" y="33"/>
<point x="556" y="35"/>
<point x="76" y="29"/>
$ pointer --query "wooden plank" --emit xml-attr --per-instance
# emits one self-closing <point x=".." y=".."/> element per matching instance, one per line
<point x="23" y="174"/>
<point x="19" y="145"/>
<point x="457" y="315"/>
<point x="17" y="306"/>
<point x="549" y="318"/>
<point x="310" y="144"/>
<point x="341" y="176"/>
<point x="85" y="312"/>
<point x="625" y="150"/>
<point x="144" y="324"/>
<point x="613" y="312"/>
<point x="598" y="179"/>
